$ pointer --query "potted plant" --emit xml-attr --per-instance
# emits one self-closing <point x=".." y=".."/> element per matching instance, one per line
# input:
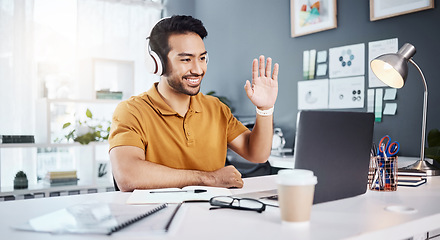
<point x="433" y="149"/>
<point x="20" y="180"/>
<point x="89" y="130"/>
<point x="222" y="99"/>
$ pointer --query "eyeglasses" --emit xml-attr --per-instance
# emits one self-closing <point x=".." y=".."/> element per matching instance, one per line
<point x="237" y="203"/>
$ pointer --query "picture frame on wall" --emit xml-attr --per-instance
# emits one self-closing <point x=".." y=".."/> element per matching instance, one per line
<point x="381" y="9"/>
<point x="311" y="16"/>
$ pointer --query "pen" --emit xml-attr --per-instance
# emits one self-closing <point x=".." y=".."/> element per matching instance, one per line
<point x="179" y="191"/>
<point x="167" y="227"/>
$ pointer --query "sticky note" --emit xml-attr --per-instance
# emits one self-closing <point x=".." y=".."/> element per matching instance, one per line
<point x="390" y="94"/>
<point x="378" y="105"/>
<point x="390" y="109"/>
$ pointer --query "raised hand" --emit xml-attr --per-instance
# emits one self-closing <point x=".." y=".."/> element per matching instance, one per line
<point x="264" y="89"/>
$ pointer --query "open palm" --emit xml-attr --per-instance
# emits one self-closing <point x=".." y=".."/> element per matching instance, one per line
<point x="264" y="88"/>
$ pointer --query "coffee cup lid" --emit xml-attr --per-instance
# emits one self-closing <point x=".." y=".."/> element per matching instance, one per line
<point x="296" y="177"/>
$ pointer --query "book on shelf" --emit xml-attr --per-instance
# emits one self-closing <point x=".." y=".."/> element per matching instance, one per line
<point x="61" y="181"/>
<point x="176" y="195"/>
<point x="102" y="218"/>
<point x="61" y="174"/>
<point x="17" y="139"/>
<point x="107" y="94"/>
<point x="61" y="178"/>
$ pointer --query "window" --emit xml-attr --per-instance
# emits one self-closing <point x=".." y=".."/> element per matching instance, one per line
<point x="47" y="47"/>
<point x="47" y="51"/>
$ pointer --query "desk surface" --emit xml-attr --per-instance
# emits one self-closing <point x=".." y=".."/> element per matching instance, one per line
<point x="361" y="217"/>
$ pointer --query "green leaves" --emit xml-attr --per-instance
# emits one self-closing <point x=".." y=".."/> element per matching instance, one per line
<point x="89" y="113"/>
<point x="222" y="99"/>
<point x="98" y="130"/>
<point x="434" y="138"/>
<point x="433" y="150"/>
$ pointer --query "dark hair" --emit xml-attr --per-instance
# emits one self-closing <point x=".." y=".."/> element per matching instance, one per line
<point x="177" y="24"/>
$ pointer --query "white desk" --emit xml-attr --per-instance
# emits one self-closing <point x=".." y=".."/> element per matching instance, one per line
<point x="361" y="217"/>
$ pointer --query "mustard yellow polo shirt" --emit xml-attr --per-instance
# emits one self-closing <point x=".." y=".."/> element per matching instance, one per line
<point x="196" y="141"/>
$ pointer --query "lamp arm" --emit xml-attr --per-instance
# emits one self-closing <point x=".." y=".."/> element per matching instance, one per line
<point x="425" y="105"/>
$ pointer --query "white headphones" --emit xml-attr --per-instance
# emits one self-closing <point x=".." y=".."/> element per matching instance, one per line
<point x="155" y="63"/>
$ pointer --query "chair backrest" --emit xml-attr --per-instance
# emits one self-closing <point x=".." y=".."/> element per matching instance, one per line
<point x="115" y="184"/>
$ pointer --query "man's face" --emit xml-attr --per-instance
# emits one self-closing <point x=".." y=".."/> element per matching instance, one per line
<point x="186" y="63"/>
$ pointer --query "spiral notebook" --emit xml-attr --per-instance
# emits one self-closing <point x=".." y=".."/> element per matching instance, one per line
<point x="99" y="218"/>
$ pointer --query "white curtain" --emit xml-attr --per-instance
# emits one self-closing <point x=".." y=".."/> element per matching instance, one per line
<point x="46" y="50"/>
<point x="17" y="78"/>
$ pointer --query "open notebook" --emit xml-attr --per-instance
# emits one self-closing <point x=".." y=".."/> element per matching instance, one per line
<point x="176" y="195"/>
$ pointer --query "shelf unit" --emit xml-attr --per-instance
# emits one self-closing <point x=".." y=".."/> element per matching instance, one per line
<point x="36" y="159"/>
<point x="52" y="152"/>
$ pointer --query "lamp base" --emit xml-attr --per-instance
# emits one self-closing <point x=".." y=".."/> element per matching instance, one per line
<point x="425" y="166"/>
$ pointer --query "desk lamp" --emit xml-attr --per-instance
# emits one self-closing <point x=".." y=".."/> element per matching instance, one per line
<point x="392" y="69"/>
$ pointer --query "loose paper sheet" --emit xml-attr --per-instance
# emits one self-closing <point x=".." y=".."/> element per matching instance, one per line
<point x="376" y="49"/>
<point x="313" y="94"/>
<point x="347" y="92"/>
<point x="347" y="61"/>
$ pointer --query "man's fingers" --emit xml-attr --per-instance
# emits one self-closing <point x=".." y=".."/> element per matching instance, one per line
<point x="268" y="66"/>
<point x="262" y="66"/>
<point x="248" y="89"/>
<point x="275" y="72"/>
<point x="254" y="69"/>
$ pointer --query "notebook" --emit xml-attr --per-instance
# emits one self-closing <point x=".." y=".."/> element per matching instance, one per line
<point x="336" y="147"/>
<point x="99" y="218"/>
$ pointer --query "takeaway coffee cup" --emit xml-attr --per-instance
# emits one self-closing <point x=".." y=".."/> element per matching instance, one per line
<point x="296" y="188"/>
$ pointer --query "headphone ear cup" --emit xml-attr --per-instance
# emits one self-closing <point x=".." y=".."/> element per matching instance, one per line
<point x="158" y="69"/>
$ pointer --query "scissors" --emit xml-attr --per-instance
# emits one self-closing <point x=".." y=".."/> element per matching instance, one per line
<point x="387" y="148"/>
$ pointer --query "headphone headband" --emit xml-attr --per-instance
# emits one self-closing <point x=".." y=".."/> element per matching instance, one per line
<point x="157" y="65"/>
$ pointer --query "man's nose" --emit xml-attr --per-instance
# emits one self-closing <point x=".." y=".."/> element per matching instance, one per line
<point x="198" y="67"/>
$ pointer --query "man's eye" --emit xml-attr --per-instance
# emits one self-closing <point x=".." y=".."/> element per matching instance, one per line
<point x="203" y="58"/>
<point x="185" y="60"/>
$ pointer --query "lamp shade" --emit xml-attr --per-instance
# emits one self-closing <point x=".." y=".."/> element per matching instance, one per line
<point x="392" y="68"/>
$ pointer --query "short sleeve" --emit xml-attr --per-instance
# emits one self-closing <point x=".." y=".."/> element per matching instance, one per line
<point x="235" y="127"/>
<point x="125" y="128"/>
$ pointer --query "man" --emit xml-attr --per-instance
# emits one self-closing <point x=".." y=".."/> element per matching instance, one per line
<point x="174" y="136"/>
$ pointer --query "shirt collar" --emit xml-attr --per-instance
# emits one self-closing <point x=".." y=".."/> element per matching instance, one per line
<point x="160" y="105"/>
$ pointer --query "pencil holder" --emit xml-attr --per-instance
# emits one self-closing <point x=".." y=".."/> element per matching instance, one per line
<point x="382" y="174"/>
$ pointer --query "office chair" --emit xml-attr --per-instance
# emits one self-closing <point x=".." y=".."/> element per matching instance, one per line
<point x="115" y="185"/>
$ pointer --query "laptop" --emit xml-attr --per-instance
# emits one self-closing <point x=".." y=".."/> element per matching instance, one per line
<point x="336" y="147"/>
